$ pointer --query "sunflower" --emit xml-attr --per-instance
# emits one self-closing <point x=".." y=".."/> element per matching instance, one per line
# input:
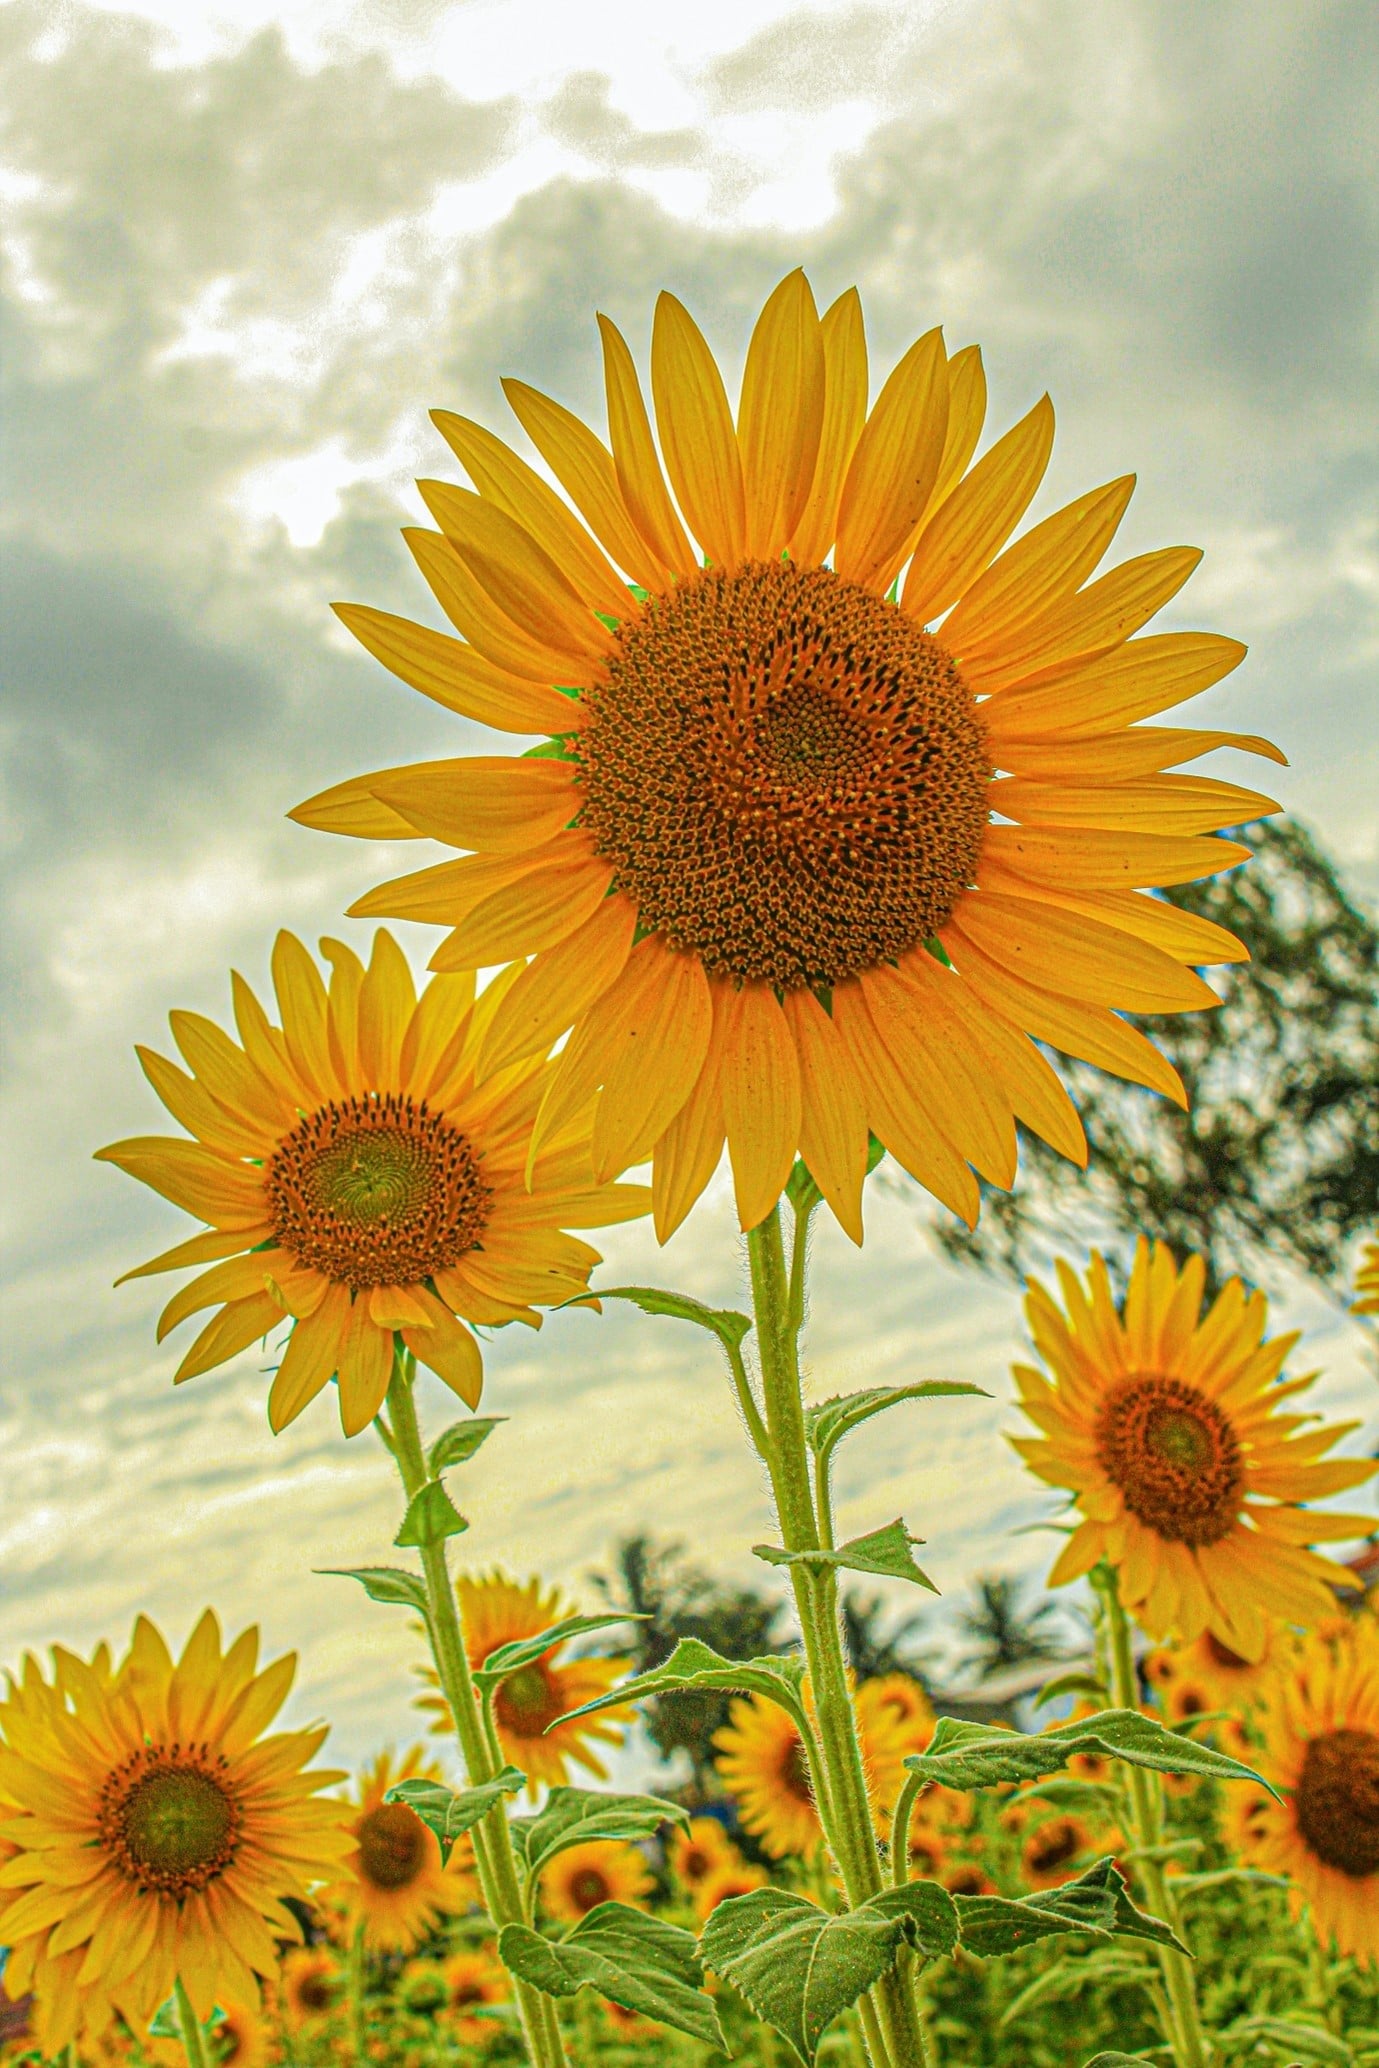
<point x="604" y="1870"/>
<point x="495" y="1611"/>
<point x="358" y="1181"/>
<point x="472" y="1982"/>
<point x="966" y="1878"/>
<point x="1367" y="1281"/>
<point x="908" y="1703"/>
<point x="758" y="866"/>
<point x="157" y="1832"/>
<point x="310" y="1987"/>
<point x="396" y="1884"/>
<point x="928" y="1852"/>
<point x="736" y="1877"/>
<point x="1219" y="1676"/>
<point x="1320" y="1731"/>
<point x="698" y="1849"/>
<point x="1162" y="1423"/>
<point x="1051" y="1849"/>
<point x="239" y="2037"/>
<point x="764" y="1767"/>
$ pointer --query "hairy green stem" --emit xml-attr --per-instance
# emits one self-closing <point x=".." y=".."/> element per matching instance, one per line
<point x="844" y="1808"/>
<point x="354" y="1985"/>
<point x="193" y="2045"/>
<point x="1184" y="2029"/>
<point x="494" y="1855"/>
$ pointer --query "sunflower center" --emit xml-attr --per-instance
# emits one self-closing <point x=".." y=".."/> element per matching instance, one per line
<point x="1174" y="1456"/>
<point x="588" y="1888"/>
<point x="1221" y="1655"/>
<point x="788" y="774"/>
<point x="392" y="1846"/>
<point x="1053" y="1846"/>
<point x="376" y="1191"/>
<point x="169" y="1819"/>
<point x="1337" y="1801"/>
<point x="462" y="1994"/>
<point x="314" y="1991"/>
<point x="526" y="1702"/>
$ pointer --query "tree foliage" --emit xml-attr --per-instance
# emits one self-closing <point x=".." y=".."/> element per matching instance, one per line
<point x="1003" y="1632"/>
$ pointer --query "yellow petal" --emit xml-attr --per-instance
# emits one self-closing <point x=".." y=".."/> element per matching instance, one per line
<point x="302" y="1003"/>
<point x="1036" y="1094"/>
<point x="1186" y="936"/>
<point x="910" y="1135"/>
<point x="661" y="1053"/>
<point x="1094" y="858"/>
<point x="1155" y="805"/>
<point x="515" y="574"/>
<point x="453" y="674"/>
<point x="366" y="1364"/>
<point x="1100" y="695"/>
<point x="639" y="473"/>
<point x="845" y="411"/>
<point x="833" y="1120"/>
<point x="894" y="467"/>
<point x="448" y="892"/>
<point x="542" y="907"/>
<point x="781" y="415"/>
<point x="233" y="1330"/>
<point x="226" y="1072"/>
<point x="508" y="481"/>
<point x="198" y="1112"/>
<point x="499" y="804"/>
<point x="697" y="435"/>
<point x="606" y="1032"/>
<point x="761" y="1099"/>
<point x="449" y="1350"/>
<point x="207" y="1248"/>
<point x="397" y="1306"/>
<point x="560" y="985"/>
<point x="1103" y="615"/>
<point x="342" y="1010"/>
<point x="1078" y="956"/>
<point x="352" y="808"/>
<point x="387" y="1000"/>
<point x="934" y="1053"/>
<point x="584" y="468"/>
<point x="488" y="629"/>
<point x="969" y="528"/>
<point x="310" y="1359"/>
<point x="196" y="1179"/>
<point x="238" y="1278"/>
<point x="1118" y="757"/>
<point x="688" y="1152"/>
<point x="1052" y="560"/>
<point x="966" y="415"/>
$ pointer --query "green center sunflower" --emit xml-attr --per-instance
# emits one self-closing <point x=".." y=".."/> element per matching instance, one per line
<point x="169" y="1819"/>
<point x="392" y="1846"/>
<point x="1174" y="1456"/>
<point x="1336" y="1801"/>
<point x="588" y="1888"/>
<point x="526" y="1702"/>
<point x="788" y="774"/>
<point x="376" y="1191"/>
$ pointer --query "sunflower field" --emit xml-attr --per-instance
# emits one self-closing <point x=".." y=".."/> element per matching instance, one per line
<point x="842" y="840"/>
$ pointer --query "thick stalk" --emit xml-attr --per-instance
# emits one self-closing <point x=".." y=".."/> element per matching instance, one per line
<point x="1147" y="1811"/>
<point x="493" y="1849"/>
<point x="193" y="2045"/>
<point x="843" y="1805"/>
<point x="355" y="1984"/>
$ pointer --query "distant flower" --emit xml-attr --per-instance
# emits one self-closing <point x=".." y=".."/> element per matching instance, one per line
<point x="472" y="1982"/>
<point x="601" y="1871"/>
<point x="1367" y="1281"/>
<point x="735" y="1877"/>
<point x="1051" y="1851"/>
<point x="397" y="1885"/>
<point x="311" y="1986"/>
<point x="763" y="1764"/>
<point x="698" y="1849"/>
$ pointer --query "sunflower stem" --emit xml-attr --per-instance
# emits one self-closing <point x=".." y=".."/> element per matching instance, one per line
<point x="1183" y="2029"/>
<point x="494" y="1855"/>
<point x="900" y="1830"/>
<point x="193" y="2043"/>
<point x="354" y="1983"/>
<point x="844" y="1807"/>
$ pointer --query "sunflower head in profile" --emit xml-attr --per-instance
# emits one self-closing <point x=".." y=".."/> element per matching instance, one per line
<point x="1319" y="1726"/>
<point x="240" y="2037"/>
<point x="1161" y="1422"/>
<point x="156" y="1832"/>
<point x="763" y="1764"/>
<point x="310" y="1987"/>
<point x="396" y="1884"/>
<point x="358" y="1180"/>
<point x="735" y="1877"/>
<point x="843" y="804"/>
<point x="1053" y="1851"/>
<point x="604" y="1870"/>
<point x="496" y="1610"/>
<point x="1367" y="1281"/>
<point x="472" y="1983"/>
<point x="698" y="1849"/>
<point x="1216" y="1676"/>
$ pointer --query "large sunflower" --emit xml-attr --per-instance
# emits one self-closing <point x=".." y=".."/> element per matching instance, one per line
<point x="157" y="1832"/>
<point x="495" y="1611"/>
<point x="763" y="1764"/>
<point x="396" y="1884"/>
<point x="1320" y="1730"/>
<point x="358" y="1180"/>
<point x="793" y="865"/>
<point x="1162" y="1423"/>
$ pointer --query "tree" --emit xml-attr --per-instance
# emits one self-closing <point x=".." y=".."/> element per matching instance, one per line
<point x="1277" y="1157"/>
<point x="873" y="1651"/>
<point x="1006" y="1634"/>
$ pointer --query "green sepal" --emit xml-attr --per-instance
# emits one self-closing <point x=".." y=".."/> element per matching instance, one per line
<point x="885" y="1554"/>
<point x="431" y="1517"/>
<point x="500" y="1665"/>
<point x="387" y="1583"/>
<point x="641" y="1962"/>
<point x="572" y="1816"/>
<point x="979" y="1755"/>
<point x="458" y="1443"/>
<point x="697" y="1666"/>
<point x="450" y="1812"/>
<point x="826" y="1425"/>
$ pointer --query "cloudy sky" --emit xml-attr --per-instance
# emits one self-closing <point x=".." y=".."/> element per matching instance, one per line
<point x="247" y="247"/>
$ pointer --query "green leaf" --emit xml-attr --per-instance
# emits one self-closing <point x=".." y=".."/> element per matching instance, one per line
<point x="1074" y="1684"/>
<point x="458" y="1443"/>
<point x="979" y="1755"/>
<point x="1098" y="1902"/>
<point x="1307" y="2042"/>
<point x="1189" y="1884"/>
<point x="730" y="1327"/>
<point x="798" y="1966"/>
<point x="832" y="1420"/>
<point x="448" y="1812"/>
<point x="698" y="1666"/>
<point x="383" y="1583"/>
<point x="525" y="1651"/>
<point x="1117" y="2061"/>
<point x="641" y="1962"/>
<point x="926" y="1910"/>
<point x="885" y="1553"/>
<point x="431" y="1517"/>
<point x="573" y="1815"/>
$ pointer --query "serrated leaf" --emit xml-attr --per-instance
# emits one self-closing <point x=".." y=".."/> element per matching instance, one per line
<point x="641" y="1962"/>
<point x="458" y="1443"/>
<point x="885" y="1553"/>
<point x="1310" y="2042"/>
<point x="698" y="1666"/>
<point x="525" y="1651"/>
<point x="387" y="1583"/>
<point x="827" y="1424"/>
<point x="798" y="1966"/>
<point x="978" y="1755"/>
<point x="1098" y="1902"/>
<point x="928" y="1913"/>
<point x="1117" y="2061"/>
<point x="1085" y="1684"/>
<point x="572" y="1816"/>
<point x="431" y="1517"/>
<point x="449" y="1812"/>
<point x="730" y="1327"/>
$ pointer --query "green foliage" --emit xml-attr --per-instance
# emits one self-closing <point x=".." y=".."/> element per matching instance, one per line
<point x="1301" y="2042"/>
<point x="1005" y="1633"/>
<point x="387" y="1583"/>
<point x="1098" y="1903"/>
<point x="830" y="1421"/>
<point x="450" y="1812"/>
<point x="500" y="1665"/>
<point x="457" y="1444"/>
<point x="977" y="1755"/>
<point x="431" y="1517"/>
<point x="884" y="1553"/>
<point x="694" y="1666"/>
<point x="573" y="1816"/>
<point x="641" y="1962"/>
<point x="731" y="1328"/>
